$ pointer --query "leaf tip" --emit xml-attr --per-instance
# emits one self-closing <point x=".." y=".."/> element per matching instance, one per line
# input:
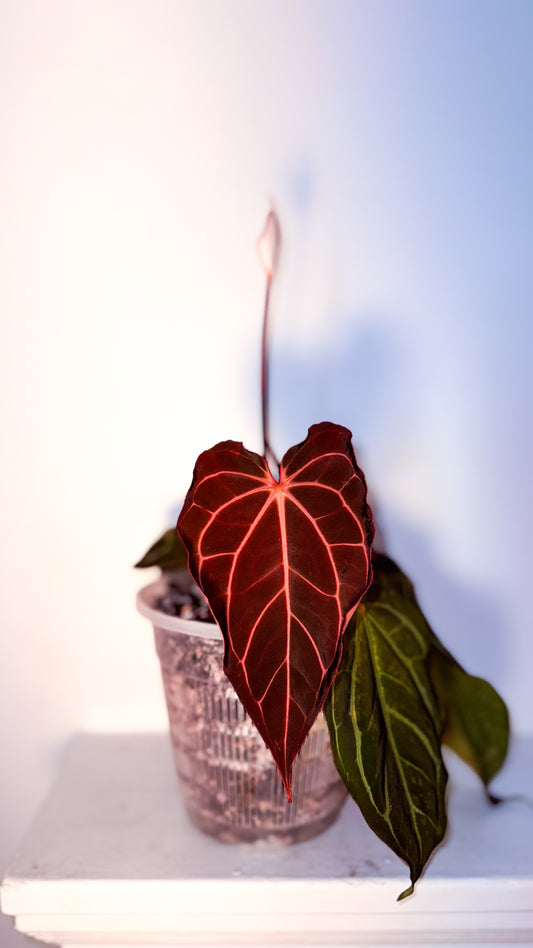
<point x="286" y="781"/>
<point x="284" y="772"/>
<point x="406" y="893"/>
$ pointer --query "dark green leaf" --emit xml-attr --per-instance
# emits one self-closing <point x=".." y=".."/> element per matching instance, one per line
<point x="386" y="725"/>
<point x="168" y="553"/>
<point x="477" y="721"/>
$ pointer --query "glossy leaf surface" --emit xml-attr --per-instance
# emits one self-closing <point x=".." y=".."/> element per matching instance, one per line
<point x="386" y="724"/>
<point x="283" y="565"/>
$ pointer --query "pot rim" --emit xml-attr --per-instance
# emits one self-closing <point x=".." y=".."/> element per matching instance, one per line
<point x="146" y="604"/>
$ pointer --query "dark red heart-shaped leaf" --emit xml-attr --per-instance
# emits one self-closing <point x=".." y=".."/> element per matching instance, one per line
<point x="283" y="564"/>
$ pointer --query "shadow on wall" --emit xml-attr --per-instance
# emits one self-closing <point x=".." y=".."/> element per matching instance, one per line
<point x="353" y="379"/>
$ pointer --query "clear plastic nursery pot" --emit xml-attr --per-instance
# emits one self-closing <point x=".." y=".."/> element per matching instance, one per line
<point x="231" y="787"/>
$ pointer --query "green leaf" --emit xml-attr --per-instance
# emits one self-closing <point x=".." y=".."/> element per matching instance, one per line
<point x="477" y="720"/>
<point x="386" y="724"/>
<point x="168" y="553"/>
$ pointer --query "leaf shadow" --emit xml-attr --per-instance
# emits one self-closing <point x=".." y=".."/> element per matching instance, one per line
<point x="352" y="379"/>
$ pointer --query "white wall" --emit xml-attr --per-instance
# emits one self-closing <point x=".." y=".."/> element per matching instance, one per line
<point x="141" y="143"/>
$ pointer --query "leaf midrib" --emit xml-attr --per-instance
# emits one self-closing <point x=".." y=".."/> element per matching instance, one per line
<point x="367" y="620"/>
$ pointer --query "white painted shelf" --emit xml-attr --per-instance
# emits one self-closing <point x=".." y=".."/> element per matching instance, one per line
<point x="112" y="860"/>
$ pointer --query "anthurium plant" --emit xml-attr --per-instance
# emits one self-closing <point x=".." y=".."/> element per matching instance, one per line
<point x="314" y="620"/>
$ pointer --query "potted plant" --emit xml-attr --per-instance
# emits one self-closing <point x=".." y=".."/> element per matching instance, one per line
<point x="311" y="620"/>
